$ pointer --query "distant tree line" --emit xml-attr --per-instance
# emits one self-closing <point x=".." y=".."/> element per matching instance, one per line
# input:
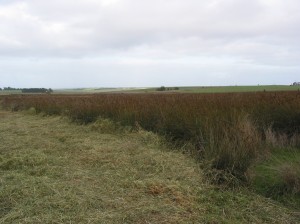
<point x="10" y="88"/>
<point x="28" y="90"/>
<point x="37" y="90"/>
<point x="163" y="88"/>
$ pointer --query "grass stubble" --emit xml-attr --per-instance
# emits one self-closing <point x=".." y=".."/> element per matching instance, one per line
<point x="55" y="171"/>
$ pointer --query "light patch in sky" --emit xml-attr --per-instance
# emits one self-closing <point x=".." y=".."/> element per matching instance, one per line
<point x="108" y="2"/>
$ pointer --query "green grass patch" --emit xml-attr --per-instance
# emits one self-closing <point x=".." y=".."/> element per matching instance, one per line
<point x="279" y="176"/>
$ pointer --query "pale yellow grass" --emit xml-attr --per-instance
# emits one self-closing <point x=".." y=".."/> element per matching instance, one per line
<point x="54" y="171"/>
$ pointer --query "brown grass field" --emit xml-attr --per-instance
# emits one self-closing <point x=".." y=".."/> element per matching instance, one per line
<point x="216" y="149"/>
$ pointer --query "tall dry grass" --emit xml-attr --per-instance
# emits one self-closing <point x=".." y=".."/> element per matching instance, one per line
<point x="234" y="146"/>
<point x="281" y="139"/>
<point x="228" y="130"/>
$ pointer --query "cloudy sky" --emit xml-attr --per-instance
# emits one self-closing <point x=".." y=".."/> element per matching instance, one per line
<point x="123" y="43"/>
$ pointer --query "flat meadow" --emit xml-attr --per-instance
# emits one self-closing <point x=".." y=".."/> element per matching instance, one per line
<point x="239" y="140"/>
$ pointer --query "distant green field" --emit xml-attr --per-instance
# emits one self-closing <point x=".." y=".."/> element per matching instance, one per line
<point x="93" y="90"/>
<point x="223" y="89"/>
<point x="182" y="89"/>
<point x="8" y="92"/>
<point x="226" y="89"/>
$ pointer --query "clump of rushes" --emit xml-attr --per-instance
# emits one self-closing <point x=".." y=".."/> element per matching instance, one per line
<point x="228" y="129"/>
<point x="233" y="145"/>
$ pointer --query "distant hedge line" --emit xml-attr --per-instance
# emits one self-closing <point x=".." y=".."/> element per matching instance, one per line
<point x="28" y="90"/>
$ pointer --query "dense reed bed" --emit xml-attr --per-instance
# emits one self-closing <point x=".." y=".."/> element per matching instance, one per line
<point x="229" y="131"/>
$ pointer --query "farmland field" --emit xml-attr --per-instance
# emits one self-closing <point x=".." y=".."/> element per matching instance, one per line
<point x="181" y="89"/>
<point x="236" y="148"/>
<point x="185" y="89"/>
<point x="224" y="89"/>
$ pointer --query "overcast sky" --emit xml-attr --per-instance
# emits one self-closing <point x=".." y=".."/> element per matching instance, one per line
<point x="123" y="43"/>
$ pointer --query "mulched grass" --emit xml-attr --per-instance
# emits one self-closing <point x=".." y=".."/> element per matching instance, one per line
<point x="55" y="171"/>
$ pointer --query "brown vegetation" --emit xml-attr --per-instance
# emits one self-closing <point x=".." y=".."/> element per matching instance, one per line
<point x="228" y="130"/>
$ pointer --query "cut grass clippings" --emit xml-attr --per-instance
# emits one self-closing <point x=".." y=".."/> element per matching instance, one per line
<point x="54" y="171"/>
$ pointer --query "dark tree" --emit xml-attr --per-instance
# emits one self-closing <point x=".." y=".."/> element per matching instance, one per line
<point x="162" y="88"/>
<point x="35" y="90"/>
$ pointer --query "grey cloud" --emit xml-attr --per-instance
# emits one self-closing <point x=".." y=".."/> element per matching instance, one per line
<point x="152" y="37"/>
<point x="133" y="22"/>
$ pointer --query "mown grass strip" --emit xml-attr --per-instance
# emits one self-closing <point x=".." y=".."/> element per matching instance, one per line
<point x="54" y="171"/>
